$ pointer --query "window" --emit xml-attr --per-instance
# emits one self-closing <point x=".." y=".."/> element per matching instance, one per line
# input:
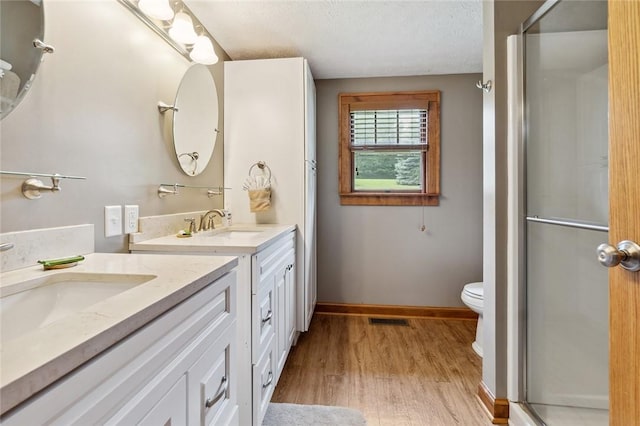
<point x="389" y="148"/>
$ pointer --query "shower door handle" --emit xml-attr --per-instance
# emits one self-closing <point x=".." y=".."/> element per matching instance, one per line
<point x="626" y="254"/>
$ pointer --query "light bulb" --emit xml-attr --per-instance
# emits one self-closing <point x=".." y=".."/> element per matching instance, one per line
<point x="182" y="29"/>
<point x="158" y="9"/>
<point x="203" y="52"/>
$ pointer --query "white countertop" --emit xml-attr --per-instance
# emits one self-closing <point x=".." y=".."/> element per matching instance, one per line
<point x="210" y="242"/>
<point x="35" y="360"/>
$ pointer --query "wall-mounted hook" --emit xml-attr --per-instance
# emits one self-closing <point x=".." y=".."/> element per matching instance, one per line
<point x="486" y="87"/>
<point x="46" y="48"/>
<point x="162" y="107"/>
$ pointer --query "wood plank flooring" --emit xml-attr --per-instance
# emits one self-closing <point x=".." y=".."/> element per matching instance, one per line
<point x="423" y="374"/>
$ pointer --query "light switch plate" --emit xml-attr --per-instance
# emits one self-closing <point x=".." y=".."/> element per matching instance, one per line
<point x="130" y="219"/>
<point x="112" y="221"/>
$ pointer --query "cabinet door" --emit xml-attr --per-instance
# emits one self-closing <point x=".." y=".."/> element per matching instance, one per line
<point x="264" y="382"/>
<point x="281" y="324"/>
<point x="213" y="382"/>
<point x="307" y="287"/>
<point x="263" y="317"/>
<point x="275" y="136"/>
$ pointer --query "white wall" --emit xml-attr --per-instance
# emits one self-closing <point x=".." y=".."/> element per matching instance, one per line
<point x="92" y="112"/>
<point x="501" y="18"/>
<point x="378" y="255"/>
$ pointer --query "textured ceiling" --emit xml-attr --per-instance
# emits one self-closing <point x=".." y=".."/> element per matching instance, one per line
<point x="342" y="38"/>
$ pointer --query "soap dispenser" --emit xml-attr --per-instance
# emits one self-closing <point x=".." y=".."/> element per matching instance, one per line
<point x="226" y="219"/>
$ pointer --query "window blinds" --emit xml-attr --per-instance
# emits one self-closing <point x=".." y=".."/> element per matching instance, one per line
<point x="395" y="128"/>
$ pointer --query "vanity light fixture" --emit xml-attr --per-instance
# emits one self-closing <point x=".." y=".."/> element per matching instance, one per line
<point x="182" y="29"/>
<point x="202" y="51"/>
<point x="179" y="29"/>
<point x="158" y="9"/>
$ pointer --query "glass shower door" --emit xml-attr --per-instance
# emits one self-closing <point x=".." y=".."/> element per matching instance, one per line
<point x="566" y="144"/>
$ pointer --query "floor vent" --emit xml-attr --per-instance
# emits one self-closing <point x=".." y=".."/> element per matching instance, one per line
<point x="388" y="321"/>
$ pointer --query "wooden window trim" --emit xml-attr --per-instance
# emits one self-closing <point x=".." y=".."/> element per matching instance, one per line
<point x="348" y="102"/>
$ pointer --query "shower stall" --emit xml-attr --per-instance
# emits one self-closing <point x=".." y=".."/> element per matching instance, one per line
<point x="558" y="94"/>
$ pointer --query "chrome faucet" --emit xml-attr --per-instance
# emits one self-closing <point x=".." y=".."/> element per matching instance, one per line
<point x="205" y="224"/>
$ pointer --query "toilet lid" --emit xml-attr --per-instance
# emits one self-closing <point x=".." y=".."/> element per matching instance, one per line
<point x="474" y="290"/>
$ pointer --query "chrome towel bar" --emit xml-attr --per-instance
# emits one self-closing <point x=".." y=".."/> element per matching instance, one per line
<point x="32" y="188"/>
<point x="569" y="223"/>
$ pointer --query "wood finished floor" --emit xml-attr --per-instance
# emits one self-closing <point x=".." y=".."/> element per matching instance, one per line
<point x="423" y="374"/>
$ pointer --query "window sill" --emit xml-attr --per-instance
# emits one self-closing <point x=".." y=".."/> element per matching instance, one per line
<point x="387" y="199"/>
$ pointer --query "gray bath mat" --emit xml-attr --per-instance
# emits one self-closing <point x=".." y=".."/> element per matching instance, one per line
<point x="311" y="415"/>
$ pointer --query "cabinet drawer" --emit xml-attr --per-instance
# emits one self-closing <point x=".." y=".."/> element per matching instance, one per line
<point x="170" y="410"/>
<point x="266" y="261"/>
<point x="264" y="382"/>
<point x="263" y="319"/>
<point x="213" y="383"/>
<point x="155" y="406"/>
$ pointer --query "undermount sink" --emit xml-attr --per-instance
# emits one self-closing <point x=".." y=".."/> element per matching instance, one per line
<point x="238" y="234"/>
<point x="233" y="233"/>
<point x="36" y="303"/>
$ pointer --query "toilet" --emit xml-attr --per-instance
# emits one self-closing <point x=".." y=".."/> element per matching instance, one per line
<point x="473" y="296"/>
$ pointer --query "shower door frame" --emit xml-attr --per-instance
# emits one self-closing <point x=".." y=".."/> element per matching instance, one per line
<point x="516" y="237"/>
<point x="624" y="217"/>
<point x="520" y="412"/>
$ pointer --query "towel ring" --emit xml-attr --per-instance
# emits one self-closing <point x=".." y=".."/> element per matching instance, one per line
<point x="262" y="166"/>
<point x="194" y="159"/>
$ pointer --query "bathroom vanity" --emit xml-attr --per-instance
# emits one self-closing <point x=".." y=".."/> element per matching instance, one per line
<point x="159" y="349"/>
<point x="266" y="299"/>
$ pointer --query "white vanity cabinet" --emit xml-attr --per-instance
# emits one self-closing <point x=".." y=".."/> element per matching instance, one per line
<point x="267" y="304"/>
<point x="179" y="369"/>
<point x="273" y="318"/>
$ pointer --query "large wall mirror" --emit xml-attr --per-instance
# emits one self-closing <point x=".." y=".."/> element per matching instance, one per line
<point x="195" y="119"/>
<point x="21" y="22"/>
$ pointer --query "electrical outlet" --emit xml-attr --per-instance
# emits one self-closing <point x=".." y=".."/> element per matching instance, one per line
<point x="112" y="221"/>
<point x="130" y="219"/>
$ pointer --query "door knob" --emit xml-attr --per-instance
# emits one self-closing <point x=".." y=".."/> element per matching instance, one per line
<point x="626" y="254"/>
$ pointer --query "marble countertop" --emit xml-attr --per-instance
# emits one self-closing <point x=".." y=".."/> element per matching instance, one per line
<point x="256" y="238"/>
<point x="36" y="359"/>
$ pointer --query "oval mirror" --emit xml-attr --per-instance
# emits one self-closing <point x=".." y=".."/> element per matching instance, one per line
<point x="195" y="119"/>
<point x="21" y="22"/>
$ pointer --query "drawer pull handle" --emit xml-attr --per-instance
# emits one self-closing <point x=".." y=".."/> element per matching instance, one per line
<point x="211" y="401"/>
<point x="269" y="380"/>
<point x="268" y="317"/>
